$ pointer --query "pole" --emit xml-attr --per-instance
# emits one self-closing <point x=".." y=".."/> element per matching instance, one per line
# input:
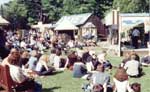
<point x="119" y="31"/>
<point x="119" y="40"/>
<point x="148" y="43"/>
<point x="2" y="12"/>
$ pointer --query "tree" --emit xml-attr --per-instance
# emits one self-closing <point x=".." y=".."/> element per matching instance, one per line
<point x="51" y="10"/>
<point x="16" y="13"/>
<point x="131" y="6"/>
<point x="34" y="10"/>
<point x="98" y="7"/>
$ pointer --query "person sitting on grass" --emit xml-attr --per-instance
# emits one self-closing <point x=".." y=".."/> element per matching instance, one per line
<point x="125" y="59"/>
<point x="102" y="60"/>
<point x="51" y="57"/>
<point x="85" y="56"/>
<point x="79" y="69"/>
<point x="145" y="61"/>
<point x="80" y="52"/>
<point x="13" y="52"/>
<point x="72" y="58"/>
<point x="23" y="78"/>
<point x="94" y="62"/>
<point x="42" y="67"/>
<point x="58" y="61"/>
<point x="136" y="87"/>
<point x="91" y="61"/>
<point x="98" y="88"/>
<point x="132" y="67"/>
<point x="24" y="59"/>
<point x="121" y="82"/>
<point x="137" y="57"/>
<point x="32" y="60"/>
<point x="99" y="77"/>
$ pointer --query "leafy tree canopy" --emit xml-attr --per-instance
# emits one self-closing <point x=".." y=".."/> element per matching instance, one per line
<point x="48" y="11"/>
<point x="131" y="6"/>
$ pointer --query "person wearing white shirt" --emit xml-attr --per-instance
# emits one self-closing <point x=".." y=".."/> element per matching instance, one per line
<point x="42" y="67"/>
<point x="132" y="67"/>
<point x="57" y="60"/>
<point x="121" y="82"/>
<point x="51" y="57"/>
<point x="19" y="75"/>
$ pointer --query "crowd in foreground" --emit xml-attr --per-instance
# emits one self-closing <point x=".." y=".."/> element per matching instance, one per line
<point x="28" y="61"/>
<point x="25" y="66"/>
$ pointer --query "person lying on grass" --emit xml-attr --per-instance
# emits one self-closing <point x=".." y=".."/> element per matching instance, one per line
<point x="145" y="61"/>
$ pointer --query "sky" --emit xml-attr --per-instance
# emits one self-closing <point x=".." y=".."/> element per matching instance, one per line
<point x="4" y="1"/>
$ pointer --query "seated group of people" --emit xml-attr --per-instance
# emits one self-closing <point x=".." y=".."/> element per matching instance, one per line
<point x="24" y="77"/>
<point x="87" y="62"/>
<point x="99" y="80"/>
<point x="25" y="66"/>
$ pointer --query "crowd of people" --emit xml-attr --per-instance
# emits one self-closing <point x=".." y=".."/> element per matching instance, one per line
<point x="27" y="60"/>
<point x="129" y="68"/>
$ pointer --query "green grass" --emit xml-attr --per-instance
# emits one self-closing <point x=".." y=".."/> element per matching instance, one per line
<point x="64" y="82"/>
<point x="61" y="82"/>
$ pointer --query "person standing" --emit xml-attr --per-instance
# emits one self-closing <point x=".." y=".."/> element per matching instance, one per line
<point x="3" y="53"/>
<point x="135" y="37"/>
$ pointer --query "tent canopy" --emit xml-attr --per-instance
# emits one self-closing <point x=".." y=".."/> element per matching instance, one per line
<point x="128" y="24"/>
<point x="3" y="21"/>
<point x="66" y="25"/>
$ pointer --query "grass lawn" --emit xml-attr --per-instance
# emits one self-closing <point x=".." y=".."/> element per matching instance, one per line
<point x="64" y="82"/>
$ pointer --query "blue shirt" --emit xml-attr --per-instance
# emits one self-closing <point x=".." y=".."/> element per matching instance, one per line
<point x="78" y="70"/>
<point x="32" y="63"/>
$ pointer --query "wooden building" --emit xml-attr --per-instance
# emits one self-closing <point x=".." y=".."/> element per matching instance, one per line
<point x="86" y="23"/>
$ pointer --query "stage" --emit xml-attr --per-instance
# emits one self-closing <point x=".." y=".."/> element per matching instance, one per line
<point x="141" y="51"/>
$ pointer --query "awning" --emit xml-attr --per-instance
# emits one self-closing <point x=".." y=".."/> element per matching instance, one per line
<point x="3" y="21"/>
<point x="129" y="24"/>
<point x="40" y="24"/>
<point x="66" y="25"/>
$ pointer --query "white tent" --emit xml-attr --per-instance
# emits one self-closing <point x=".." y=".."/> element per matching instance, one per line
<point x="66" y="25"/>
<point x="3" y="21"/>
<point x="42" y="26"/>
